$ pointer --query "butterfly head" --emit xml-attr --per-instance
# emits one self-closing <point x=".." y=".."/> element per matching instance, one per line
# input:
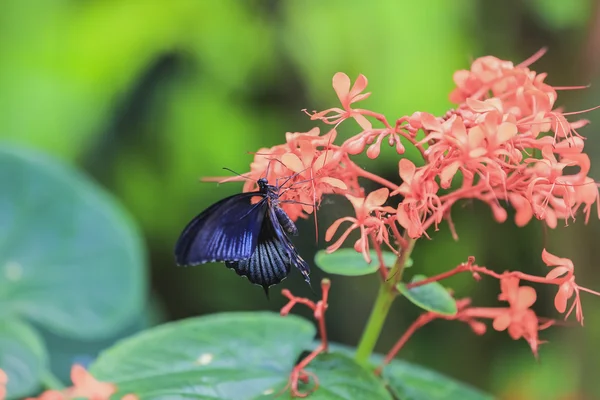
<point x="262" y="182"/>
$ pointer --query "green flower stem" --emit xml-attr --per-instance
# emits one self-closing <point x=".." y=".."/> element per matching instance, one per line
<point x="385" y="297"/>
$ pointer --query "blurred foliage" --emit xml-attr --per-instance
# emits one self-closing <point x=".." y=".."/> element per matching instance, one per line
<point x="72" y="264"/>
<point x="149" y="97"/>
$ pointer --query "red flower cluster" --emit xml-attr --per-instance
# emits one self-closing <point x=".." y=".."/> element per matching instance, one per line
<point x="506" y="140"/>
<point x="84" y="386"/>
<point x="511" y="146"/>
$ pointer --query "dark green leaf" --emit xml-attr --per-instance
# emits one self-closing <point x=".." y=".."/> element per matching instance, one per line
<point x="412" y="382"/>
<point x="431" y="297"/>
<point x="70" y="257"/>
<point x="351" y="263"/>
<point x="22" y="356"/>
<point x="221" y="356"/>
<point x="340" y="378"/>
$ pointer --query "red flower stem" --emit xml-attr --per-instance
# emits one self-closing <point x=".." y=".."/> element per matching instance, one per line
<point x="382" y="267"/>
<point x="439" y="277"/>
<point x="485" y="271"/>
<point x="320" y="313"/>
<point x="419" y="322"/>
<point x="379" y="117"/>
<point x="298" y="370"/>
<point x="375" y="178"/>
<point x="401" y="241"/>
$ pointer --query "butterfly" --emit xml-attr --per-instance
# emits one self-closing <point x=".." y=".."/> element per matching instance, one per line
<point x="251" y="238"/>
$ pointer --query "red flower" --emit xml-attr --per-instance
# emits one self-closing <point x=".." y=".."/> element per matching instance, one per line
<point x="347" y="96"/>
<point x="365" y="221"/>
<point x="420" y="198"/>
<point x="518" y="318"/>
<point x="564" y="276"/>
<point x="3" y="382"/>
<point x="84" y="386"/>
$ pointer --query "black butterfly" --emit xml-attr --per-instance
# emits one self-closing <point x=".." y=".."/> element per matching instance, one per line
<point x="248" y="237"/>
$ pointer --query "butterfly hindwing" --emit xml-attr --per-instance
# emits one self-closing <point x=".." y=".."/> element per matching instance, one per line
<point x="273" y="257"/>
<point x="227" y="231"/>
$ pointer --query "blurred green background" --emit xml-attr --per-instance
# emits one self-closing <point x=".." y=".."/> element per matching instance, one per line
<point x="149" y="96"/>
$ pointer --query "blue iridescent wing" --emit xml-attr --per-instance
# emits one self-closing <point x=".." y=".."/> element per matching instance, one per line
<point x="226" y="231"/>
<point x="274" y="256"/>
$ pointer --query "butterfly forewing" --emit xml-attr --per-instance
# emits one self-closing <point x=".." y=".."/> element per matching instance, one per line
<point x="226" y="231"/>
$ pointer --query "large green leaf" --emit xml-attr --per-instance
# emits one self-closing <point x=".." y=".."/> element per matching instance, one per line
<point x="70" y="257"/>
<point x="412" y="382"/>
<point x="349" y="262"/>
<point x="22" y="356"/>
<point x="221" y="356"/>
<point x="340" y="378"/>
<point x="431" y="297"/>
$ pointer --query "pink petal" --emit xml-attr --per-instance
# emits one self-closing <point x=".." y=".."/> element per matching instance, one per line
<point x="556" y="272"/>
<point x="501" y="322"/>
<point x="407" y="170"/>
<point x="552" y="260"/>
<point x="340" y="241"/>
<point x="561" y="298"/>
<point x="360" y="97"/>
<point x="459" y="130"/>
<point x="324" y="159"/>
<point x="359" y="85"/>
<point x="526" y="297"/>
<point x="448" y="174"/>
<point x="293" y="162"/>
<point x="357" y="202"/>
<point x="506" y="131"/>
<point x="334" y="227"/>
<point x="334" y="182"/>
<point x="377" y="197"/>
<point x="430" y="122"/>
<point x="341" y="85"/>
<point x="476" y="137"/>
<point x="363" y="122"/>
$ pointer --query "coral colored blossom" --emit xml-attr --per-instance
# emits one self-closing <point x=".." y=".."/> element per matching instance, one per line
<point x="84" y="386"/>
<point x="369" y="219"/>
<point x="3" y="383"/>
<point x="519" y="319"/>
<point x="564" y="275"/>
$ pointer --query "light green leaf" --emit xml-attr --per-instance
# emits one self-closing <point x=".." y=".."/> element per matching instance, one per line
<point x="340" y="378"/>
<point x="431" y="297"/>
<point x="22" y="357"/>
<point x="410" y="381"/>
<point x="413" y="382"/>
<point x="221" y="356"/>
<point x="70" y="258"/>
<point x="349" y="262"/>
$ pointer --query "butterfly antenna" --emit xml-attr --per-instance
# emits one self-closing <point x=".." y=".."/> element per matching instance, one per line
<point x="267" y="170"/>
<point x="232" y="171"/>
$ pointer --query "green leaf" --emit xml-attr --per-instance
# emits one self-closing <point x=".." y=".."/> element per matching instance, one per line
<point x="431" y="297"/>
<point x="340" y="378"/>
<point x="349" y="262"/>
<point x="221" y="356"/>
<point x="413" y="382"/>
<point x="22" y="356"/>
<point x="70" y="258"/>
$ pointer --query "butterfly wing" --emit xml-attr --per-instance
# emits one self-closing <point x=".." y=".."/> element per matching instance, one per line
<point x="226" y="231"/>
<point x="273" y="257"/>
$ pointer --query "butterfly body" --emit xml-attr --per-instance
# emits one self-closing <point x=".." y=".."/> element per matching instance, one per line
<point x="249" y="237"/>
